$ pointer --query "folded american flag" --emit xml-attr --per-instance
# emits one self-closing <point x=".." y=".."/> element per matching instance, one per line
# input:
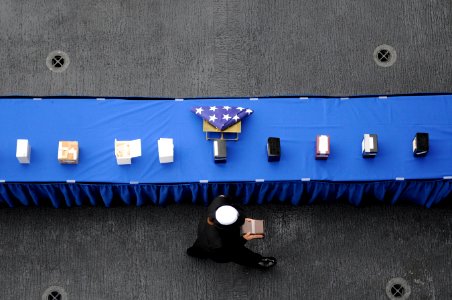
<point x="222" y="117"/>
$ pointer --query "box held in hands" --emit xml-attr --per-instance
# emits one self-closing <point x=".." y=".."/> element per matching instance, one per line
<point x="253" y="226"/>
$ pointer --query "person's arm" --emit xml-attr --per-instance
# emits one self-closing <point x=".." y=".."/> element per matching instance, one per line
<point x="242" y="240"/>
<point x="249" y="236"/>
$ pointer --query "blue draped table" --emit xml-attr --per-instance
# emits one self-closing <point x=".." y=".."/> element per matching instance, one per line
<point x="297" y="178"/>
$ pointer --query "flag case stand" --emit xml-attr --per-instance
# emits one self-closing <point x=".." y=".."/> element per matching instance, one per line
<point x="229" y="134"/>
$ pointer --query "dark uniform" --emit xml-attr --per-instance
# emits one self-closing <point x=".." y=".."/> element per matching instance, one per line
<point x="223" y="243"/>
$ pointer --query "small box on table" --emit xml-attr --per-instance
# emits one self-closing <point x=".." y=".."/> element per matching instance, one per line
<point x="322" y="147"/>
<point x="273" y="149"/>
<point x="166" y="150"/>
<point x="219" y="151"/>
<point x="126" y="150"/>
<point x="253" y="226"/>
<point x="23" y="151"/>
<point x="68" y="152"/>
<point x="369" y="145"/>
<point x="420" y="144"/>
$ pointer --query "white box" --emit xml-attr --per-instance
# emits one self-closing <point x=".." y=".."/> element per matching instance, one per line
<point x="166" y="150"/>
<point x="126" y="150"/>
<point x="219" y="151"/>
<point x="323" y="144"/>
<point x="68" y="152"/>
<point x="122" y="153"/>
<point x="369" y="145"/>
<point x="23" y="151"/>
<point x="322" y="147"/>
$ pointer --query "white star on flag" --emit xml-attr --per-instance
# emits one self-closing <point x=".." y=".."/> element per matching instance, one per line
<point x="226" y="117"/>
<point x="199" y="110"/>
<point x="240" y="108"/>
<point x="213" y="108"/>
<point x="226" y="108"/>
<point x="236" y="118"/>
<point x="212" y="118"/>
<point x="249" y="111"/>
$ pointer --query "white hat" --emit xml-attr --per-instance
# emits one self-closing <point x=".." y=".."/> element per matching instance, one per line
<point x="226" y="215"/>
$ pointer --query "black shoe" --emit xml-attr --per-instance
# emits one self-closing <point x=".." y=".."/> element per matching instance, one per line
<point x="267" y="262"/>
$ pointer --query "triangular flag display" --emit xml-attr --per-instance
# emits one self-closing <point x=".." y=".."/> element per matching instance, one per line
<point x="222" y="117"/>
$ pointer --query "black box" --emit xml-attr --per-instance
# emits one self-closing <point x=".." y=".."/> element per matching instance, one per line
<point x="370" y="145"/>
<point x="273" y="149"/>
<point x="420" y="144"/>
<point x="219" y="151"/>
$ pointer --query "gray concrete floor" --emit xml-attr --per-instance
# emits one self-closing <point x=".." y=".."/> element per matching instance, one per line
<point x="324" y="251"/>
<point x="195" y="48"/>
<point x="225" y="48"/>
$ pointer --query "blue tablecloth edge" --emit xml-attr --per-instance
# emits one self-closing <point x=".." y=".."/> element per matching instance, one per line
<point x="220" y="97"/>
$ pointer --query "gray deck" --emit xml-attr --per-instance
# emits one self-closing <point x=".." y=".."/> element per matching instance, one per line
<point x="225" y="48"/>
<point x="324" y="252"/>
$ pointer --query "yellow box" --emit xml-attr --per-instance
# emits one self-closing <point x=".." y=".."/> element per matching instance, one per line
<point x="210" y="131"/>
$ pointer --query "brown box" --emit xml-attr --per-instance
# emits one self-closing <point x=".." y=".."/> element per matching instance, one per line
<point x="68" y="152"/>
<point x="253" y="227"/>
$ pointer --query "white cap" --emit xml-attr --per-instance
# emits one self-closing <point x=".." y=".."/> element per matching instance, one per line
<point x="226" y="215"/>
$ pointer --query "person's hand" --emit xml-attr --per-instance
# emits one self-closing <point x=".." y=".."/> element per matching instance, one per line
<point x="249" y="236"/>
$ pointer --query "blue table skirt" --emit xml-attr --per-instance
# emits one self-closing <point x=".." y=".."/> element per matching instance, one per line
<point x="425" y="192"/>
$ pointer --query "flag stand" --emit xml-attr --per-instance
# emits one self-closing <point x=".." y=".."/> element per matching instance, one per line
<point x="229" y="134"/>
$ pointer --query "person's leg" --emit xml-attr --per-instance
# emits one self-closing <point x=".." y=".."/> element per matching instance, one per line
<point x="245" y="257"/>
<point x="240" y="255"/>
<point x="196" y="251"/>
